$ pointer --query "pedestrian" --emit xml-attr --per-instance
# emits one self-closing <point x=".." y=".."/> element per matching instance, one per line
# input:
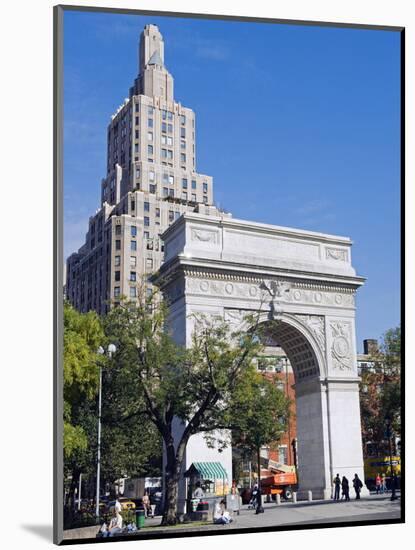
<point x="146" y="504"/>
<point x="345" y="488"/>
<point x="117" y="505"/>
<point x="357" y="484"/>
<point x="115" y="526"/>
<point x="378" y="483"/>
<point x="383" y="484"/>
<point x="221" y="516"/>
<point x="198" y="492"/>
<point x="337" y="484"/>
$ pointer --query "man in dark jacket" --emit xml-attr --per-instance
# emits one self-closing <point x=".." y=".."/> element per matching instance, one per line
<point x="345" y="488"/>
<point x="357" y="484"/>
<point x="337" y="484"/>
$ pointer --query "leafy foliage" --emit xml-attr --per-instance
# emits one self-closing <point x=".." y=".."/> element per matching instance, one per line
<point x="381" y="391"/>
<point x="260" y="412"/>
<point x="167" y="383"/>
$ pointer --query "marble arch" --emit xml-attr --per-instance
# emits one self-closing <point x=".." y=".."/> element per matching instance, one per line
<point x="303" y="285"/>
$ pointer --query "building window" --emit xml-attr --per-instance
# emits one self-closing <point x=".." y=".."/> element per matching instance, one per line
<point x="146" y="207"/>
<point x="133" y="231"/>
<point x="146" y="221"/>
<point x="133" y="292"/>
<point x="205" y="199"/>
<point x="171" y="215"/>
<point x="184" y="195"/>
<point x="133" y="261"/>
<point x="169" y="115"/>
<point x="282" y="454"/>
<point x="164" y="114"/>
<point x="171" y="192"/>
<point x="171" y="180"/>
<point x="117" y="260"/>
<point x="164" y="140"/>
<point x="117" y="244"/>
<point x="133" y="245"/>
<point x="164" y="153"/>
<point x="193" y="184"/>
<point x="136" y="148"/>
<point x="176" y="215"/>
<point x="183" y="119"/>
<point x="118" y="229"/>
<point x="150" y="136"/>
<point x="184" y="183"/>
<point x="169" y="140"/>
<point x="183" y="132"/>
<point x="157" y="212"/>
<point x="146" y="235"/>
<point x="170" y="128"/>
<point x="117" y="275"/>
<point x="116" y="291"/>
<point x="149" y="264"/>
<point x="136" y="120"/>
<point x="164" y="127"/>
<point x="150" y="110"/>
<point x="137" y="107"/>
<point x="165" y="192"/>
<point x="133" y="276"/>
<point x="152" y="188"/>
<point x="151" y="175"/>
<point x="183" y="157"/>
<point x="150" y="123"/>
<point x="205" y="188"/>
<point x="183" y="144"/>
<point x="150" y="149"/>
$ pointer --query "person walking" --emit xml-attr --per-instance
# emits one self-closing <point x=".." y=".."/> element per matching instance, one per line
<point x="146" y="504"/>
<point x="383" y="484"/>
<point x="378" y="483"/>
<point x="337" y="484"/>
<point x="357" y="484"/>
<point x="345" y="488"/>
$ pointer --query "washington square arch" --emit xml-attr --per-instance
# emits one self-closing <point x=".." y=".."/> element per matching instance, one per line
<point x="302" y="285"/>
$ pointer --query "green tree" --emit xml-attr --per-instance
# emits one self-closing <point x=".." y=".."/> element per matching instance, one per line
<point x="191" y="386"/>
<point x="83" y="333"/>
<point x="260" y="412"/>
<point x="380" y="396"/>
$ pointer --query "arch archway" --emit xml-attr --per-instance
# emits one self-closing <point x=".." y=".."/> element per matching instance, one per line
<point x="302" y="285"/>
<point x="314" y="457"/>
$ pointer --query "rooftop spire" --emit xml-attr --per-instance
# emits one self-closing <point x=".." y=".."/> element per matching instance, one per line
<point x="151" y="47"/>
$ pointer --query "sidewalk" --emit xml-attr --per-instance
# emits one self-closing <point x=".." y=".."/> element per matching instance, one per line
<point x="374" y="507"/>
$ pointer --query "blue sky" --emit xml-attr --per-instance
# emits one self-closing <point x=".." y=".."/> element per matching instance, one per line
<point x="308" y="117"/>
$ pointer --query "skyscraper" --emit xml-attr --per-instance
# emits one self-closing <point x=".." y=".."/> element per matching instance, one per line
<point x="151" y="180"/>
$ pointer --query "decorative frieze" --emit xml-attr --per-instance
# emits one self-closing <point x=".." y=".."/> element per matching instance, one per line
<point x="336" y="254"/>
<point x="204" y="235"/>
<point x="316" y="325"/>
<point x="341" y="349"/>
<point x="277" y="290"/>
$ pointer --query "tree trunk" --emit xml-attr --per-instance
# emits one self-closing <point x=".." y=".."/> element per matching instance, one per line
<point x="174" y="462"/>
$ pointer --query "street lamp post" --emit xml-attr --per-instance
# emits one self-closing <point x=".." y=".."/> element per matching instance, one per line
<point x="110" y="350"/>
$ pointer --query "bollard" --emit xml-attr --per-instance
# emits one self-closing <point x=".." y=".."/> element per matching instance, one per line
<point x="278" y="499"/>
<point x="294" y="498"/>
<point x="310" y="496"/>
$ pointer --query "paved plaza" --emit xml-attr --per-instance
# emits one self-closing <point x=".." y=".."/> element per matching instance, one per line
<point x="375" y="507"/>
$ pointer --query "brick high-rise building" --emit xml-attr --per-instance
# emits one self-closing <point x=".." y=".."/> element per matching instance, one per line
<point x="151" y="180"/>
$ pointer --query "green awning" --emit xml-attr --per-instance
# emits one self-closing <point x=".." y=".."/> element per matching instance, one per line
<point x="207" y="470"/>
